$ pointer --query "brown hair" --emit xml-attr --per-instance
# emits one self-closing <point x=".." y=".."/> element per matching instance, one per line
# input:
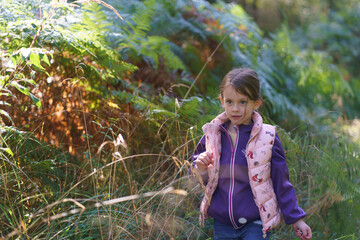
<point x="244" y="80"/>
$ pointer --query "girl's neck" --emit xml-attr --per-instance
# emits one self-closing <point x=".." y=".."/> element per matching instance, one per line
<point x="232" y="128"/>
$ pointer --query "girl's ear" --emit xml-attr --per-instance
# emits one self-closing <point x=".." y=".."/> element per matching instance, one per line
<point x="258" y="104"/>
<point x="222" y="102"/>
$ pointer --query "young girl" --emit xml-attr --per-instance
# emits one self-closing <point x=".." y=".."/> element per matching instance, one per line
<point x="242" y="163"/>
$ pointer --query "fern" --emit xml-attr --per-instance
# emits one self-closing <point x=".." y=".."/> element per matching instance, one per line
<point x="142" y="21"/>
<point x="139" y="25"/>
<point x="94" y="24"/>
<point x="151" y="49"/>
<point x="156" y="46"/>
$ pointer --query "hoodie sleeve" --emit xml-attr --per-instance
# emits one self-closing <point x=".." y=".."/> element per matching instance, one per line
<point x="200" y="148"/>
<point x="284" y="190"/>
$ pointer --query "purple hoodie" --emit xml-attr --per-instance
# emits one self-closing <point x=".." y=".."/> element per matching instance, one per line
<point x="244" y="208"/>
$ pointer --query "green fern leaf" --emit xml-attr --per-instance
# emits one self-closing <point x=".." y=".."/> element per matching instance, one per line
<point x="141" y="22"/>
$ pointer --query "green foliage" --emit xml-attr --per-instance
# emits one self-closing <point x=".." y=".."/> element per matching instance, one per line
<point x="136" y="45"/>
<point x="29" y="61"/>
<point x="309" y="78"/>
<point x="338" y="45"/>
<point x="280" y="63"/>
<point x="94" y="24"/>
<point x="324" y="168"/>
<point x="19" y="63"/>
<point x="33" y="173"/>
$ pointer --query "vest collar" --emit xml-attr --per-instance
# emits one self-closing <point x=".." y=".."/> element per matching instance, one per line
<point x="222" y="121"/>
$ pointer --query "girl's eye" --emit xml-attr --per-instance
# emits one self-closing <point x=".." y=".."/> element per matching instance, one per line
<point x="229" y="101"/>
<point x="243" y="102"/>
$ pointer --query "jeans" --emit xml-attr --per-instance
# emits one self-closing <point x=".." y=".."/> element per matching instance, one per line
<point x="250" y="231"/>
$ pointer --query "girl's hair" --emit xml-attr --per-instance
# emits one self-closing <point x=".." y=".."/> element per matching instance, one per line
<point x="244" y="80"/>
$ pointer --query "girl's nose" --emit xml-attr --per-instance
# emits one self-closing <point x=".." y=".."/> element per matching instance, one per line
<point x="236" y="108"/>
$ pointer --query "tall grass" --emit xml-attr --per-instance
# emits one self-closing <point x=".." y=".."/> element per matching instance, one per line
<point x="48" y="194"/>
<point x="130" y="197"/>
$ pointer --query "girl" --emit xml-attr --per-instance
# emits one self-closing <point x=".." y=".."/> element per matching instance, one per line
<point x="242" y="163"/>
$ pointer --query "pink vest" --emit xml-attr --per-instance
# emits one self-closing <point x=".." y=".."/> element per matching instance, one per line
<point x="258" y="155"/>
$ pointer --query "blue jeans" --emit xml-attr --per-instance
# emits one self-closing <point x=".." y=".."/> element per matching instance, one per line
<point x="250" y="231"/>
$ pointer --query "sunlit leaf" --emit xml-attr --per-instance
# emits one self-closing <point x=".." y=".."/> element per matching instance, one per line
<point x="25" y="52"/>
<point x="31" y="81"/>
<point x="7" y="93"/>
<point x="16" y="59"/>
<point x="35" y="60"/>
<point x="45" y="58"/>
<point x="7" y="150"/>
<point x="5" y="103"/>
<point x="36" y="100"/>
<point x="21" y="88"/>
<point x="2" y="112"/>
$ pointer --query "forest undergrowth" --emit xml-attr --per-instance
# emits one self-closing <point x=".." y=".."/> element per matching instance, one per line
<point x="102" y="106"/>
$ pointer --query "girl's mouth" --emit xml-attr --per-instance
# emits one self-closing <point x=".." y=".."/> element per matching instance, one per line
<point x="236" y="117"/>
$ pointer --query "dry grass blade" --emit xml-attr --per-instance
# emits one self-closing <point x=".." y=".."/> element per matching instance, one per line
<point x="102" y="3"/>
<point x="169" y="190"/>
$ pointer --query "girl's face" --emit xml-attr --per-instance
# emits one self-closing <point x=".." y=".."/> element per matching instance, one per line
<point x="238" y="107"/>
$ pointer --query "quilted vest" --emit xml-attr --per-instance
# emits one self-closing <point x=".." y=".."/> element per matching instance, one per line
<point x="258" y="155"/>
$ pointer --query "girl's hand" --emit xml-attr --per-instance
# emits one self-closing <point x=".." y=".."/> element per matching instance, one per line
<point x="204" y="160"/>
<point x="302" y="230"/>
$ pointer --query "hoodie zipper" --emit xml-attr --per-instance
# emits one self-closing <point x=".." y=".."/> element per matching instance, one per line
<point x="232" y="177"/>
